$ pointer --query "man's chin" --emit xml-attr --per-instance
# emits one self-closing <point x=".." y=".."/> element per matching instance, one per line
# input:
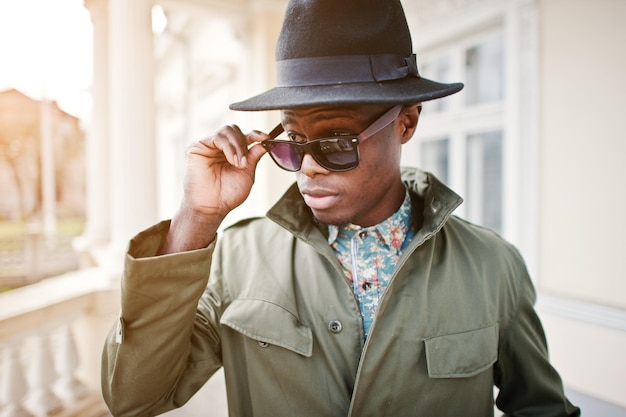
<point x="327" y="219"/>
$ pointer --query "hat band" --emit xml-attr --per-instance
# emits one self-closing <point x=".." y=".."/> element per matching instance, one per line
<point x="300" y="72"/>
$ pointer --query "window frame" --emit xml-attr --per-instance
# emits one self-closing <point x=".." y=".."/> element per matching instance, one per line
<point x="452" y="32"/>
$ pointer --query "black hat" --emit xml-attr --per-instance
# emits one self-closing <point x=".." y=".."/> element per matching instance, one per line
<point x="345" y="52"/>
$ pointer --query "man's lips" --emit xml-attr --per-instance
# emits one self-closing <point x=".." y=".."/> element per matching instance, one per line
<point x="319" y="199"/>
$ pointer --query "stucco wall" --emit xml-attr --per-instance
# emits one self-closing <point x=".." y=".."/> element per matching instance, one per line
<point x="583" y="149"/>
<point x="582" y="153"/>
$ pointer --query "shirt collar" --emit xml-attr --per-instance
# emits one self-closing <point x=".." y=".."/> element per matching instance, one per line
<point x="391" y="231"/>
<point x="292" y="213"/>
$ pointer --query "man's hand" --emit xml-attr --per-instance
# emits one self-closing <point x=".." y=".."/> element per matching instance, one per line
<point x="219" y="176"/>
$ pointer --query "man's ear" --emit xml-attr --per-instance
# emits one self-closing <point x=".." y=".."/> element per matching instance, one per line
<point x="409" y="117"/>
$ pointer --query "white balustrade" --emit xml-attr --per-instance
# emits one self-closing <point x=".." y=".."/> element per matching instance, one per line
<point x="38" y="373"/>
<point x="42" y="370"/>
<point x="13" y="387"/>
<point x="68" y="388"/>
<point x="41" y="401"/>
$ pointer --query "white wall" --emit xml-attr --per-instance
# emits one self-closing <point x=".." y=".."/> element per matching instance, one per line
<point x="582" y="255"/>
<point x="583" y="149"/>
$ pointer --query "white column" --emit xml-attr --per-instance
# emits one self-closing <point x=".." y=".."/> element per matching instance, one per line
<point x="257" y="30"/>
<point x="133" y="148"/>
<point x="97" y="228"/>
<point x="48" y="174"/>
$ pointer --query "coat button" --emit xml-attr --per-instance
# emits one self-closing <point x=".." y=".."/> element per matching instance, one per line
<point x="335" y="326"/>
<point x="263" y="344"/>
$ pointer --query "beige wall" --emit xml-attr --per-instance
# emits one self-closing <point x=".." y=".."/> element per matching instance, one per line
<point x="582" y="152"/>
<point x="583" y="149"/>
<point x="589" y="358"/>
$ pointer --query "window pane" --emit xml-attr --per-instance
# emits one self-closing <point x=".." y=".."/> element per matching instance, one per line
<point x="435" y="157"/>
<point x="484" y="72"/>
<point x="484" y="179"/>
<point x="438" y="69"/>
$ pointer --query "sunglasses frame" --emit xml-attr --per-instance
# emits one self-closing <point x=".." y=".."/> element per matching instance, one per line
<point x="308" y="147"/>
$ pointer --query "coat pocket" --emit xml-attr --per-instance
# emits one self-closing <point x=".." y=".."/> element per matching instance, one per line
<point x="268" y="322"/>
<point x="462" y="355"/>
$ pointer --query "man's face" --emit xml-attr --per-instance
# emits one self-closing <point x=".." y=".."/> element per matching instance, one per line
<point x="369" y="193"/>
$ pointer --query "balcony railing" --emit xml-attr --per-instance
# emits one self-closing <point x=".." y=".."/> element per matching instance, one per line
<point x="51" y="334"/>
<point x="29" y="258"/>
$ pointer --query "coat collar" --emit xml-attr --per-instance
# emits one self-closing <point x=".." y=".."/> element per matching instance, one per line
<point x="433" y="202"/>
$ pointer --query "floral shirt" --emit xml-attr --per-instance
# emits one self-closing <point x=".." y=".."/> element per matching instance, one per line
<point x="369" y="256"/>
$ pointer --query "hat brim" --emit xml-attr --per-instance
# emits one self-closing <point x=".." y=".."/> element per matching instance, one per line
<point x="409" y="90"/>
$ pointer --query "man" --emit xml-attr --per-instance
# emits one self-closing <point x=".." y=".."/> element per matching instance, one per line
<point x="359" y="294"/>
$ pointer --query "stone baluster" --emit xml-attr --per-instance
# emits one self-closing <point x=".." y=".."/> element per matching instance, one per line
<point x="68" y="387"/>
<point x="41" y="401"/>
<point x="13" y="387"/>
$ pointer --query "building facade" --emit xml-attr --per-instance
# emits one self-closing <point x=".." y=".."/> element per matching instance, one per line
<point x="25" y="126"/>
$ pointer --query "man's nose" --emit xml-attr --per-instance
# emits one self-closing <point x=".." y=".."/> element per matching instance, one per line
<point x="310" y="167"/>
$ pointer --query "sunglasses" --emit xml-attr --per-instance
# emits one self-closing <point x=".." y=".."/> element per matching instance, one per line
<point x="338" y="153"/>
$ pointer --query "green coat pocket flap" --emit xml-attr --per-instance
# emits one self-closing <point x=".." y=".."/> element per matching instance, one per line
<point x="270" y="323"/>
<point x="462" y="355"/>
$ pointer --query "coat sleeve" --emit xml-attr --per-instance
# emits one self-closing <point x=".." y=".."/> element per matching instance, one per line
<point x="528" y="384"/>
<point x="162" y="349"/>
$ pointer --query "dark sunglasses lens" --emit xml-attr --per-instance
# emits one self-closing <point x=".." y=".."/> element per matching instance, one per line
<point x="336" y="154"/>
<point x="285" y="155"/>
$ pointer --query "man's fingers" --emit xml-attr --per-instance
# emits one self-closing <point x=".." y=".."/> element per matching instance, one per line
<point x="255" y="152"/>
<point x="230" y="142"/>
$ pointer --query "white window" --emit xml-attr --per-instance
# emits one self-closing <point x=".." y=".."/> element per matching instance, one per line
<point x="483" y="183"/>
<point x="484" y="71"/>
<point x="435" y="157"/>
<point x="461" y="138"/>
<point x="482" y="142"/>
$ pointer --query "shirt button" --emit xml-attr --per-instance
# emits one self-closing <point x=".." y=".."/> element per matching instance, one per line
<point x="363" y="234"/>
<point x="335" y="326"/>
<point x="263" y="344"/>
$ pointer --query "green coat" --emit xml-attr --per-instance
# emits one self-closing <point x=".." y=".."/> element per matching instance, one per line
<point x="279" y="316"/>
